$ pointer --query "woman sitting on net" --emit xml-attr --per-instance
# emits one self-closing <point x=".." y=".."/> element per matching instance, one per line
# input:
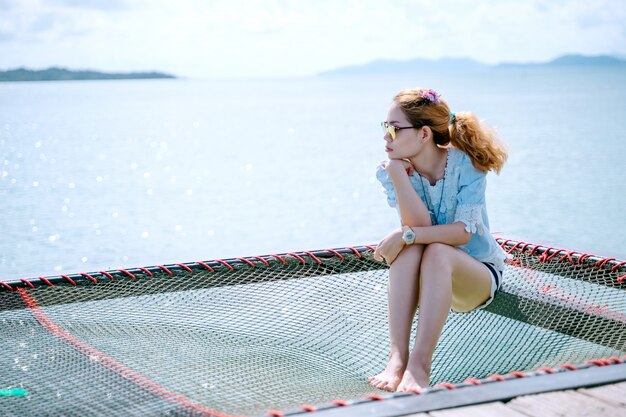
<point x="443" y="256"/>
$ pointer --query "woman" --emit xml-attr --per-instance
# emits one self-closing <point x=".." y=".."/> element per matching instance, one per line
<point x="443" y="256"/>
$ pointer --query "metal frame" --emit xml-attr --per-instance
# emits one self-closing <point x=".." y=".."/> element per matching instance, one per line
<point x="441" y="398"/>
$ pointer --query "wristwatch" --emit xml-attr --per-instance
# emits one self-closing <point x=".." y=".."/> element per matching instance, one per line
<point x="408" y="235"/>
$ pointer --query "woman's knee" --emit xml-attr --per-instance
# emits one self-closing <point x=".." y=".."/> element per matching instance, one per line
<point x="413" y="250"/>
<point x="411" y="254"/>
<point x="437" y="256"/>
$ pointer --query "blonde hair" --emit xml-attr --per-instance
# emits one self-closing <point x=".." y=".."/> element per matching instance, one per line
<point x="466" y="133"/>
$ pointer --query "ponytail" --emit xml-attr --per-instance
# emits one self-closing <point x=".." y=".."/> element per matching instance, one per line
<point x="479" y="141"/>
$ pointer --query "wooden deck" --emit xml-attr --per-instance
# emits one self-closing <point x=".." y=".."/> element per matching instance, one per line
<point x="604" y="401"/>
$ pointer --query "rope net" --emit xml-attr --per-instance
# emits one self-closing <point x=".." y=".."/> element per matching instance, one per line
<point x="243" y="336"/>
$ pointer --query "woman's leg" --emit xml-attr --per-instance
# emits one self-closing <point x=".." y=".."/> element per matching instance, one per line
<point x="448" y="278"/>
<point x="402" y="294"/>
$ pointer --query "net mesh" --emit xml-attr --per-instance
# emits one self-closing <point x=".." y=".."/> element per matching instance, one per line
<point x="276" y="332"/>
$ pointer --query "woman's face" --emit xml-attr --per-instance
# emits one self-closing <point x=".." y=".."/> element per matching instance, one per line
<point x="407" y="142"/>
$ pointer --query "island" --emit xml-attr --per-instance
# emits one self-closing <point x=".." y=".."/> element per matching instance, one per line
<point x="418" y="65"/>
<point x="573" y="61"/>
<point x="63" y="74"/>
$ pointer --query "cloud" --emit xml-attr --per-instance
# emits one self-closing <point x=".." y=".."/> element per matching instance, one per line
<point x="105" y="5"/>
<point x="282" y="37"/>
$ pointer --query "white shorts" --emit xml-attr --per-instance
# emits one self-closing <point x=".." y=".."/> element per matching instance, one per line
<point x="496" y="283"/>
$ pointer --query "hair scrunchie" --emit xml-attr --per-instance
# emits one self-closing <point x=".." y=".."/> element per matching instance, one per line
<point x="452" y="118"/>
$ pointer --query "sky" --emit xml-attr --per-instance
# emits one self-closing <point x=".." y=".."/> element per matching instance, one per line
<point x="291" y="38"/>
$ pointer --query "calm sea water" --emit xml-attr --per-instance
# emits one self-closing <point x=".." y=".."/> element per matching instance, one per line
<point x="117" y="174"/>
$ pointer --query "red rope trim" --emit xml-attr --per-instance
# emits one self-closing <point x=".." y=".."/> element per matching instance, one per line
<point x="358" y="254"/>
<point x="89" y="277"/>
<point x="598" y="362"/>
<point x="496" y="377"/>
<point x="444" y="384"/>
<point x="307" y="407"/>
<point x="106" y="274"/>
<point x="615" y="359"/>
<point x="185" y="267"/>
<point x="147" y="272"/>
<point x="614" y="268"/>
<point x="546" y="370"/>
<point x="583" y="257"/>
<point x="544" y="256"/>
<point x="226" y="264"/>
<point x="68" y="279"/>
<point x="279" y="258"/>
<point x="604" y="261"/>
<point x="474" y="380"/>
<point x="314" y="257"/>
<point x="514" y="247"/>
<point x="337" y="254"/>
<point x="297" y="257"/>
<point x="27" y="282"/>
<point x="44" y="279"/>
<point x="373" y="397"/>
<point x="503" y="244"/>
<point x="549" y="258"/>
<point x="568" y="255"/>
<point x="248" y="262"/>
<point x="526" y="245"/>
<point x="127" y="273"/>
<point x="274" y="413"/>
<point x="568" y="366"/>
<point x="340" y="403"/>
<point x="621" y="279"/>
<point x="535" y="248"/>
<point x="205" y="266"/>
<point x="7" y="286"/>
<point x="517" y="374"/>
<point x="261" y="259"/>
<point x="166" y="270"/>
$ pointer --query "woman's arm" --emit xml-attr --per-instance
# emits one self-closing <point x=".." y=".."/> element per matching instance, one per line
<point x="453" y="234"/>
<point x="413" y="212"/>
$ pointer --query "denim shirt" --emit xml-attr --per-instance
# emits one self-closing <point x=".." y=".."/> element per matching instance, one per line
<point x="461" y="200"/>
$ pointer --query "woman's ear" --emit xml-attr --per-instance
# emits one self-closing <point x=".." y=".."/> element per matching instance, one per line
<point x="425" y="133"/>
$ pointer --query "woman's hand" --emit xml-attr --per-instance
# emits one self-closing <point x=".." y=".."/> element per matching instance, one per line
<point x="395" y="165"/>
<point x="389" y="248"/>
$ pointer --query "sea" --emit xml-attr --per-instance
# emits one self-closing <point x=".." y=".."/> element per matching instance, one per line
<point x="125" y="173"/>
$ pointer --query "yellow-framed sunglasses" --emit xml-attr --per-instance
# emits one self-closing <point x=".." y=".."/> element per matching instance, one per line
<point x="391" y="129"/>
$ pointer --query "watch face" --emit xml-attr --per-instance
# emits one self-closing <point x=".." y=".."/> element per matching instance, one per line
<point x="408" y="236"/>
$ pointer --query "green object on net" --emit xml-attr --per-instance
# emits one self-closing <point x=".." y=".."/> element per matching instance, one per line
<point x="13" y="392"/>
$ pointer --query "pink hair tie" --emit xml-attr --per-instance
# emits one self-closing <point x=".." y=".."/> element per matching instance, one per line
<point x="430" y="95"/>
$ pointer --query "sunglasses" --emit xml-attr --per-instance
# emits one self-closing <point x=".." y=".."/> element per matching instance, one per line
<point x="391" y="129"/>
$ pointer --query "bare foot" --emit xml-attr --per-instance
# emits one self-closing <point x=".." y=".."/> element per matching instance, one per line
<point x="415" y="378"/>
<point x="389" y="379"/>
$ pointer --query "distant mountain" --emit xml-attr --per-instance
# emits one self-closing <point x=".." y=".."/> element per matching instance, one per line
<point x="573" y="60"/>
<point x="411" y="66"/>
<point x="62" y="74"/>
<point x="461" y="64"/>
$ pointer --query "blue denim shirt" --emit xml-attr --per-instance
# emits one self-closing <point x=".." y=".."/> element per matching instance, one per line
<point x="461" y="200"/>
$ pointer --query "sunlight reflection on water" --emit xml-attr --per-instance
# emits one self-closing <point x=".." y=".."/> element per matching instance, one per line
<point x="110" y="174"/>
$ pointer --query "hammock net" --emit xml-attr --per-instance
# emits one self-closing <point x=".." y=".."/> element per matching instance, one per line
<point x="245" y="335"/>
